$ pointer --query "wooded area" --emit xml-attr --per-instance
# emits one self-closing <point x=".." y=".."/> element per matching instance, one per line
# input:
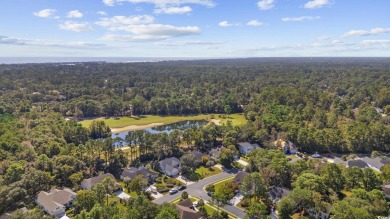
<point x="321" y="105"/>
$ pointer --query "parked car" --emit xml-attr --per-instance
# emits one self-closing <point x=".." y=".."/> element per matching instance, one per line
<point x="210" y="193"/>
<point x="195" y="203"/>
<point x="316" y="155"/>
<point x="173" y="191"/>
<point x="181" y="187"/>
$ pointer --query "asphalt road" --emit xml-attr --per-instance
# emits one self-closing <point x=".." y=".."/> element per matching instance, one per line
<point x="196" y="189"/>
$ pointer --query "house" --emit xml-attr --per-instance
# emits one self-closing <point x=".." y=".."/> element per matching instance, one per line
<point x="357" y="163"/>
<point x="186" y="210"/>
<point x="386" y="189"/>
<point x="240" y="177"/>
<point x="287" y="146"/>
<point x="374" y="163"/>
<point x="216" y="152"/>
<point x="325" y="214"/>
<point x="198" y="155"/>
<point x="55" y="202"/>
<point x="170" y="166"/>
<point x="277" y="193"/>
<point x="87" y="184"/>
<point x="246" y="147"/>
<point x="132" y="173"/>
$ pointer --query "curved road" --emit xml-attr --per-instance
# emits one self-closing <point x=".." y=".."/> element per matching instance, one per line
<point x="196" y="189"/>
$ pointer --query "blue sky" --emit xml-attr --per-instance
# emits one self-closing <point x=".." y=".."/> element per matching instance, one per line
<point x="194" y="28"/>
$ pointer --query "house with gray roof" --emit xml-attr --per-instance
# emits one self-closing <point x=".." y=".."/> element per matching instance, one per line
<point x="276" y="193"/>
<point x="240" y="177"/>
<point x="374" y="163"/>
<point x="216" y="152"/>
<point x="198" y="155"/>
<point x="357" y="163"/>
<point x="56" y="201"/>
<point x="170" y="166"/>
<point x="246" y="147"/>
<point x="132" y="173"/>
<point x="87" y="184"/>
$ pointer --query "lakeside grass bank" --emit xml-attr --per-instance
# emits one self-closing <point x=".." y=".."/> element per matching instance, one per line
<point x="135" y="123"/>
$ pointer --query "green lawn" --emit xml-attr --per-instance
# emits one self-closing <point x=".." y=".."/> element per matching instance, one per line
<point x="205" y="172"/>
<point x="146" y="120"/>
<point x="222" y="183"/>
<point x="116" y="199"/>
<point x="237" y="119"/>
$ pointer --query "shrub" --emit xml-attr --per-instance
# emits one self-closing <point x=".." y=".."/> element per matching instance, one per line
<point x="158" y="180"/>
<point x="244" y="203"/>
<point x="170" y="185"/>
<point x="210" y="188"/>
<point x="163" y="190"/>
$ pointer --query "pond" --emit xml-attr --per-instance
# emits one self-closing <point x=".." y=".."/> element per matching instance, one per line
<point x="168" y="128"/>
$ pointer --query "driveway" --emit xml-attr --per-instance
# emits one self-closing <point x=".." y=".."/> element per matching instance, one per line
<point x="196" y="189"/>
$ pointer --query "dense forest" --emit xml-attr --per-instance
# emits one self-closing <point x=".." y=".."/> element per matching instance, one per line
<point x="320" y="104"/>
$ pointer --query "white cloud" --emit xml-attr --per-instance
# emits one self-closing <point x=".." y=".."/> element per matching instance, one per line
<point x="47" y="43"/>
<point x="151" y="32"/>
<point x="317" y="4"/>
<point x="102" y="13"/>
<point x="75" y="26"/>
<point x="75" y="14"/>
<point x="302" y="18"/>
<point x="124" y="21"/>
<point x="374" y="31"/>
<point x="190" y="43"/>
<point x="109" y="2"/>
<point x="159" y="3"/>
<point x="375" y="42"/>
<point x="227" y="24"/>
<point x="45" y="13"/>
<point x="266" y="4"/>
<point x="254" y="23"/>
<point x="173" y="10"/>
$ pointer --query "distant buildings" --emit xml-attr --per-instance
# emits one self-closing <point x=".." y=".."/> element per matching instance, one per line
<point x="170" y="166"/>
<point x="55" y="202"/>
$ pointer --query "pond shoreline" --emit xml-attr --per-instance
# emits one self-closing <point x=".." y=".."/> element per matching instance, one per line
<point x="135" y="127"/>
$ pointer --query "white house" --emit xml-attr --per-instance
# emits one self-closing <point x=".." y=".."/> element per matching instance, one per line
<point x="55" y="202"/>
<point x="246" y="147"/>
<point x="170" y="166"/>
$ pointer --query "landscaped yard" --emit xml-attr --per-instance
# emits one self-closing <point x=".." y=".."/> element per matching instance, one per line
<point x="222" y="183"/>
<point x="206" y="172"/>
<point x="164" y="184"/>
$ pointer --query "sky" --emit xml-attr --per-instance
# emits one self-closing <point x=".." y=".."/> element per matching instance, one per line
<point x="194" y="28"/>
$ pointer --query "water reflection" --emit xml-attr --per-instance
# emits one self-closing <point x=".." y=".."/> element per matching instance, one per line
<point x="166" y="128"/>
